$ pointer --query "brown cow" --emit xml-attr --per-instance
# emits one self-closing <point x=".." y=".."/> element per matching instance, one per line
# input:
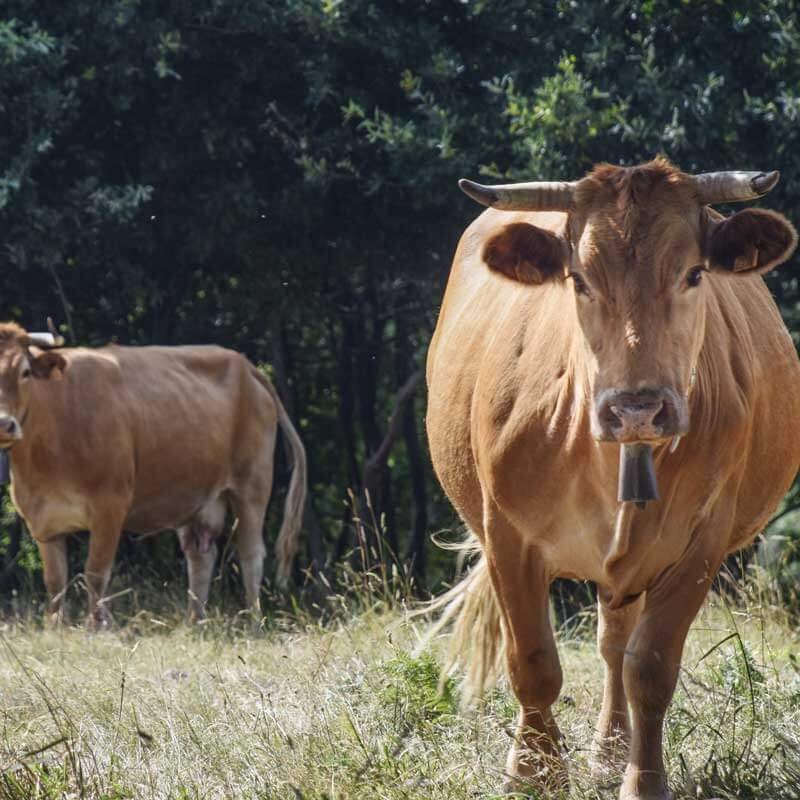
<point x="616" y="309"/>
<point x="145" y="439"/>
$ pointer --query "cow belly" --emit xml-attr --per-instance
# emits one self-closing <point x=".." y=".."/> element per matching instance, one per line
<point x="169" y="510"/>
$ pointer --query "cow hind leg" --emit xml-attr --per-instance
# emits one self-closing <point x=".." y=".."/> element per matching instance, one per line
<point x="251" y="549"/>
<point x="198" y="542"/>
<point x="522" y="587"/>
<point x="56" y="576"/>
<point x="200" y="568"/>
<point x="612" y="735"/>
<point x="104" y="534"/>
<point x="250" y="508"/>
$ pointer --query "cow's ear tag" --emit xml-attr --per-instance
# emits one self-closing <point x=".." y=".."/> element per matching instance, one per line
<point x="637" y="475"/>
<point x="5" y="468"/>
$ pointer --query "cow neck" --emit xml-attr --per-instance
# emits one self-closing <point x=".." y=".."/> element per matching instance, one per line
<point x="31" y="417"/>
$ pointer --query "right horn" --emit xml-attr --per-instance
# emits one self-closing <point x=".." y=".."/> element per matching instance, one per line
<point x="536" y="196"/>
<point x="733" y="187"/>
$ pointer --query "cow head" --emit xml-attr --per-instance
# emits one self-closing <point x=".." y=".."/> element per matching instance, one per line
<point x="24" y="357"/>
<point x="636" y="245"/>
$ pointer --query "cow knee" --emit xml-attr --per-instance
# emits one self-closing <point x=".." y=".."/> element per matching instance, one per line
<point x="536" y="677"/>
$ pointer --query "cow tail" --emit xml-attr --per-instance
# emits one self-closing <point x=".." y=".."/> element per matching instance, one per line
<point x="471" y="613"/>
<point x="289" y="534"/>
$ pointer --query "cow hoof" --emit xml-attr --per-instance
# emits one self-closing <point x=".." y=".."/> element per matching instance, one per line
<point x="196" y="617"/>
<point x="607" y="760"/>
<point x="534" y="789"/>
<point x="536" y="774"/>
<point x="99" y="621"/>
<point x="604" y="774"/>
<point x="649" y="796"/>
<point x="644" y="786"/>
<point x="56" y="619"/>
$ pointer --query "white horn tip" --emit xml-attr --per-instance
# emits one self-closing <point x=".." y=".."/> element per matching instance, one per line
<point x="46" y="339"/>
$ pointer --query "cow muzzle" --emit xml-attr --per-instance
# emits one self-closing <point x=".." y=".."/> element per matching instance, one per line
<point x="10" y="430"/>
<point x="645" y="415"/>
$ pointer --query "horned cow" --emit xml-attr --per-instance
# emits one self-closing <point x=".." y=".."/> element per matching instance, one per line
<point x="617" y="315"/>
<point x="143" y="439"/>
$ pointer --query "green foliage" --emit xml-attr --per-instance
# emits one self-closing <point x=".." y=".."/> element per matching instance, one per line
<point x="746" y="709"/>
<point x="416" y="689"/>
<point x="279" y="177"/>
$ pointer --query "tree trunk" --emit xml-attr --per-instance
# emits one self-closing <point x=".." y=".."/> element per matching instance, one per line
<point x="416" y="552"/>
<point x="375" y="465"/>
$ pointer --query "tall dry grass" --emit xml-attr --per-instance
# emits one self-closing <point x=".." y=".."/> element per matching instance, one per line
<point x="337" y="707"/>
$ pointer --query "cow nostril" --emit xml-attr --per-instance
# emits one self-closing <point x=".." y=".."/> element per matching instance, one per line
<point x="611" y="416"/>
<point x="617" y="414"/>
<point x="662" y="417"/>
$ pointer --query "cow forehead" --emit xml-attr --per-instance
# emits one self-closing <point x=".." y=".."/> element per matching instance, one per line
<point x="654" y="242"/>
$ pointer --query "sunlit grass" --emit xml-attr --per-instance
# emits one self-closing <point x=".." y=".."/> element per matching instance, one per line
<point x="345" y="709"/>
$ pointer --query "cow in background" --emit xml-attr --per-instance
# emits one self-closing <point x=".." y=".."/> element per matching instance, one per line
<point x="584" y="320"/>
<point x="145" y="439"/>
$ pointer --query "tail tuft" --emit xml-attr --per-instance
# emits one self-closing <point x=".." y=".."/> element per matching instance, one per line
<point x="470" y="610"/>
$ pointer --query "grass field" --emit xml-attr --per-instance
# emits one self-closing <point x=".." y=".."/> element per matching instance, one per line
<point x="156" y="709"/>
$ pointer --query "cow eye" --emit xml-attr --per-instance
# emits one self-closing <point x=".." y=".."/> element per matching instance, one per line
<point x="579" y="283"/>
<point x="695" y="276"/>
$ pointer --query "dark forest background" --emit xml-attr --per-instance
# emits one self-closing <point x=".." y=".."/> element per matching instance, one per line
<point x="279" y="177"/>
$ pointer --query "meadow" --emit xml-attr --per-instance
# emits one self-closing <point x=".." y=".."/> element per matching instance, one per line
<point x="228" y="172"/>
<point x="348" y="707"/>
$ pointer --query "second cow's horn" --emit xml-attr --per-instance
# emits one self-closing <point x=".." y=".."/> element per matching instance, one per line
<point x="47" y="340"/>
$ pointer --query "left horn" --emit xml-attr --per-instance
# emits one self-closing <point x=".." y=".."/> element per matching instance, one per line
<point x="536" y="196"/>
<point x="733" y="187"/>
<point x="46" y="341"/>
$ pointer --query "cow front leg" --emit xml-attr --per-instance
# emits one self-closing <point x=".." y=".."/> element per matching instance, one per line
<point x="651" y="664"/>
<point x="522" y="585"/>
<point x="56" y="576"/>
<point x="103" y="542"/>
<point x="612" y="735"/>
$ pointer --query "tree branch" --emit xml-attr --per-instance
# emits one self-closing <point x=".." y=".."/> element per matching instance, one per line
<point x="64" y="302"/>
<point x="377" y="460"/>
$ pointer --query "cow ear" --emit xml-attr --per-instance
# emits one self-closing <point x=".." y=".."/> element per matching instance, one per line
<point x="750" y="242"/>
<point x="526" y="253"/>
<point x="48" y="364"/>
